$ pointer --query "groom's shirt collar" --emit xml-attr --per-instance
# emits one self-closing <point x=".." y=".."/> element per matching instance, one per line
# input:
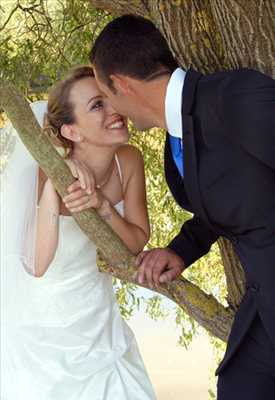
<point x="173" y="103"/>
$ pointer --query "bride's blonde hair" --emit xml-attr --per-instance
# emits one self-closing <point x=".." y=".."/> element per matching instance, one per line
<point x="60" y="109"/>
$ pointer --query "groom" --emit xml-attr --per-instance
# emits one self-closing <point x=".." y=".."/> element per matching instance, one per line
<point x="220" y="165"/>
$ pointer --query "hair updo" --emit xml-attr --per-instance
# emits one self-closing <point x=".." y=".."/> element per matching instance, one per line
<point x="60" y="109"/>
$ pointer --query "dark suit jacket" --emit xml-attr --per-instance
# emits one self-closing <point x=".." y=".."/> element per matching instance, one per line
<point x="229" y="183"/>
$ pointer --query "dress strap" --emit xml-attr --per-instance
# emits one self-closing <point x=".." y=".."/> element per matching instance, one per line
<point x="118" y="167"/>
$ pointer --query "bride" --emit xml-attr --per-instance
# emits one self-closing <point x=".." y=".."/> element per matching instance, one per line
<point x="62" y="334"/>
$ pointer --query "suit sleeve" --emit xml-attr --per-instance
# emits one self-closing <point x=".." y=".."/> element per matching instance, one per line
<point x="193" y="241"/>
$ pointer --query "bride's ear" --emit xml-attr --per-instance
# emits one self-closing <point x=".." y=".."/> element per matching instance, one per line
<point x="69" y="132"/>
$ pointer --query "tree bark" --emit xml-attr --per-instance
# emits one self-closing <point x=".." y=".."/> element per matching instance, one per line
<point x="210" y="35"/>
<point x="118" y="261"/>
<point x="235" y="278"/>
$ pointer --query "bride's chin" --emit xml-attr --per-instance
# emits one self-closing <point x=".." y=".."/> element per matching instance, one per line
<point x="123" y="140"/>
<point x="122" y="136"/>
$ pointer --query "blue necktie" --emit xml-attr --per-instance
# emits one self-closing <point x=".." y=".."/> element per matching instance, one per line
<point x="177" y="152"/>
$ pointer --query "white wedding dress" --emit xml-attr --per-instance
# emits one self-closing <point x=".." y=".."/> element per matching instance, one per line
<point x="62" y="335"/>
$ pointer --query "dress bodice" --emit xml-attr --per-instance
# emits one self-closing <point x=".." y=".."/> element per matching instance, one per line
<point x="75" y="254"/>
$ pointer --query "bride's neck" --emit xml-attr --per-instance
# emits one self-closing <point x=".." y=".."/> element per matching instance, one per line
<point x="98" y="160"/>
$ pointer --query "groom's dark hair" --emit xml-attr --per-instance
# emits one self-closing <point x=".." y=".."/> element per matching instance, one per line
<point x="132" y="46"/>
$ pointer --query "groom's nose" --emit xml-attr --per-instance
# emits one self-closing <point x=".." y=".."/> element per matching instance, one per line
<point x="110" y="109"/>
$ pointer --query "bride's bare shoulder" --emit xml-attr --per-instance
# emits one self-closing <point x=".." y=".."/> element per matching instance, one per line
<point x="130" y="155"/>
<point x="131" y="163"/>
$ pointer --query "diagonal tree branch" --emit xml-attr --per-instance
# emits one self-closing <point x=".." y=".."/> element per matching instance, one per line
<point x="118" y="261"/>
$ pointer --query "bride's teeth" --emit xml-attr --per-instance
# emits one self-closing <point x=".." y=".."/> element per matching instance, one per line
<point x="117" y="125"/>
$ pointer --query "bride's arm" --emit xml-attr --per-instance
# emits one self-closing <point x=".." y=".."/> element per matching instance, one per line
<point x="133" y="228"/>
<point x="47" y="225"/>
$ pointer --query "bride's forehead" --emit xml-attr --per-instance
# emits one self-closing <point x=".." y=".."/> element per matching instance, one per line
<point x="85" y="88"/>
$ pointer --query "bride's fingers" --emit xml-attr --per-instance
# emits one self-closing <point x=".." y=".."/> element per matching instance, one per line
<point x="91" y="203"/>
<point x="78" y="170"/>
<point x="91" y="183"/>
<point x="89" y="179"/>
<point x="77" y="194"/>
<point x="81" y="208"/>
<point x="81" y="174"/>
<point x="74" y="186"/>
<point x="72" y="166"/>
<point x="84" y="176"/>
<point x="84" y="201"/>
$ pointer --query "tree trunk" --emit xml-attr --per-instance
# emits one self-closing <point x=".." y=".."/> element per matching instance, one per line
<point x="118" y="261"/>
<point x="210" y="35"/>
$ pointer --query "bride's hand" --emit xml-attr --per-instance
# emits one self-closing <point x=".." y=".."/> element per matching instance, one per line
<point x="79" y="200"/>
<point x="85" y="178"/>
<point x="82" y="193"/>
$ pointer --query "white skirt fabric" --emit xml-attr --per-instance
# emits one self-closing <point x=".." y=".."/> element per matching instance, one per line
<point x="62" y="335"/>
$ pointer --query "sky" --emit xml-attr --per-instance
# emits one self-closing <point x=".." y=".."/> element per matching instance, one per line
<point x="176" y="373"/>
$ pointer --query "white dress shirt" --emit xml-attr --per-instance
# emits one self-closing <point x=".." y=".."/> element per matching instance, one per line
<point x="173" y="103"/>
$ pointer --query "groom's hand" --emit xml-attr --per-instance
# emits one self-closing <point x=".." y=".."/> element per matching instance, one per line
<point x="158" y="266"/>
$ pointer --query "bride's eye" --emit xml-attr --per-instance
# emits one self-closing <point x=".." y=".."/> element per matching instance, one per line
<point x="98" y="104"/>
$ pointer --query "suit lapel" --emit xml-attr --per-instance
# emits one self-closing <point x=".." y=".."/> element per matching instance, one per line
<point x="191" y="181"/>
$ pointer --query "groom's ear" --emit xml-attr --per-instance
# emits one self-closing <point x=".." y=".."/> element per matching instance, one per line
<point x="121" y="83"/>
